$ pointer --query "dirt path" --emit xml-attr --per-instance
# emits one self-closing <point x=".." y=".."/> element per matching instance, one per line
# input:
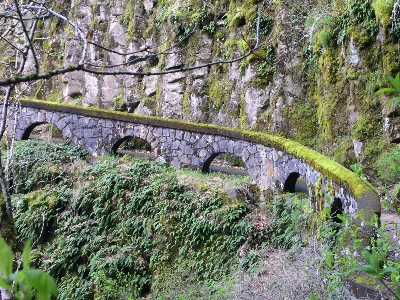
<point x="392" y="226"/>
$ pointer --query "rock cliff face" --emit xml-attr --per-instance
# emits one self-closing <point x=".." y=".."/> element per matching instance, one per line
<point x="314" y="81"/>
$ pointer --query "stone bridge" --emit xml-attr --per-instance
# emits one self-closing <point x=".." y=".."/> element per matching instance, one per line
<point x="272" y="162"/>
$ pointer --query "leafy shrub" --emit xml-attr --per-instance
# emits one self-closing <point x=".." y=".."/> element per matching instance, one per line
<point x="388" y="166"/>
<point x="36" y="212"/>
<point x="127" y="228"/>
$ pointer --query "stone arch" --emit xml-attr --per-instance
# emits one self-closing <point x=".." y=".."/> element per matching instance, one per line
<point x="207" y="162"/>
<point x="136" y="141"/>
<point x="28" y="131"/>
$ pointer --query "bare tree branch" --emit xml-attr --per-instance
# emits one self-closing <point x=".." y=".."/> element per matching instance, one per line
<point x="34" y="77"/>
<point x="85" y="65"/>
<point x="27" y="35"/>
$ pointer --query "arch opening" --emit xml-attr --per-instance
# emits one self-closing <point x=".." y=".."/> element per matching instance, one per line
<point x="134" y="146"/>
<point x="294" y="183"/>
<point x="43" y="131"/>
<point x="395" y="141"/>
<point x="225" y="162"/>
<point x="336" y="210"/>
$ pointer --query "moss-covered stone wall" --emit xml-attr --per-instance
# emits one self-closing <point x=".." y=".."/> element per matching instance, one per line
<point x="359" y="189"/>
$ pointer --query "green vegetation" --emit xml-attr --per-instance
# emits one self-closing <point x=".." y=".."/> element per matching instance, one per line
<point x="374" y="268"/>
<point x="303" y="123"/>
<point x="395" y="89"/>
<point x="383" y="11"/>
<point x="339" y="109"/>
<point x="266" y="24"/>
<point x="343" y="86"/>
<point x="347" y="254"/>
<point x="127" y="228"/>
<point x="47" y="159"/>
<point x="185" y="15"/>
<point x="388" y="165"/>
<point x="359" y="14"/>
<point x="123" y="226"/>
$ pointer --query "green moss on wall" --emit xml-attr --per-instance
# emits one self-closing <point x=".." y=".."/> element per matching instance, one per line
<point x="343" y="153"/>
<point x="303" y="123"/>
<point x="187" y="110"/>
<point x="383" y="11"/>
<point x="118" y="101"/>
<point x="128" y="19"/>
<point x="352" y="74"/>
<point x="391" y="58"/>
<point x="360" y="36"/>
<point x="367" y="125"/>
<point x="372" y="150"/>
<point x="55" y="96"/>
<point x="220" y="89"/>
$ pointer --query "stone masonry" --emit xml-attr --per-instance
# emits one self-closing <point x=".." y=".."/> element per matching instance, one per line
<point x="268" y="168"/>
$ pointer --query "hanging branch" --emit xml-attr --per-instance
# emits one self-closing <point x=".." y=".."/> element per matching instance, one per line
<point x="18" y="14"/>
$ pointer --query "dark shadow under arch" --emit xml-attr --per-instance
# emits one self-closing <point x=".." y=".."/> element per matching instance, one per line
<point x="336" y="210"/>
<point x="232" y="164"/>
<point x="395" y="141"/>
<point x="54" y="134"/>
<point x="207" y="163"/>
<point x="295" y="184"/>
<point x="130" y="145"/>
<point x="290" y="182"/>
<point x="29" y="130"/>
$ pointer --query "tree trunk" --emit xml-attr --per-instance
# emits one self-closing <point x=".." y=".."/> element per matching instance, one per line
<point x="7" y="226"/>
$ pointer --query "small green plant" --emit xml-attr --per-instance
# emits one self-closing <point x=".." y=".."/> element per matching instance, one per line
<point x="346" y="242"/>
<point x="357" y="168"/>
<point x="23" y="282"/>
<point x="374" y="268"/>
<point x="265" y="25"/>
<point x="395" y="89"/>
